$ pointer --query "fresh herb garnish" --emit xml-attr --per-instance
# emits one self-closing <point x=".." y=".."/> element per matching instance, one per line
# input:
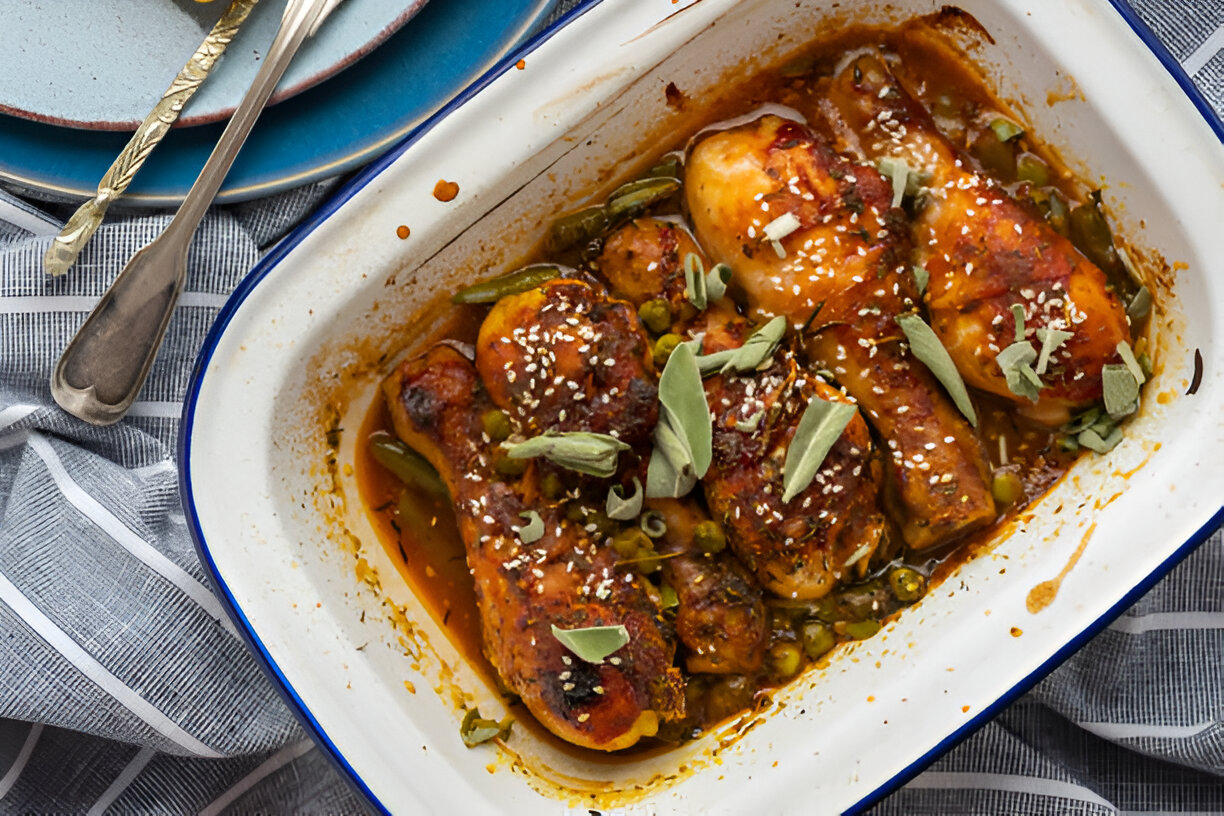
<point x="667" y="597"/>
<point x="751" y="423"/>
<point x="620" y="508"/>
<point x="1132" y="363"/>
<point x="476" y="729"/>
<point x="858" y="555"/>
<point x="921" y="277"/>
<point x="1121" y="389"/>
<point x="592" y="643"/>
<point x="899" y="173"/>
<point x="591" y="453"/>
<point x="1093" y="441"/>
<point x="926" y="347"/>
<point x="716" y="282"/>
<point x="819" y="428"/>
<point x="683" y="436"/>
<point x="758" y="348"/>
<point x="1140" y="304"/>
<point x="1016" y="363"/>
<point x="533" y="530"/>
<point x="1017" y="311"/>
<point x="695" y="281"/>
<point x="779" y="228"/>
<point x="1050" y="339"/>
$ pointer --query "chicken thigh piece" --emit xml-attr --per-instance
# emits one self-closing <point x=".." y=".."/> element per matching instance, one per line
<point x="524" y="587"/>
<point x="813" y="237"/>
<point x="985" y="253"/>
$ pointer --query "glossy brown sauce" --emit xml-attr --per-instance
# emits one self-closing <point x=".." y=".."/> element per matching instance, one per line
<point x="421" y="534"/>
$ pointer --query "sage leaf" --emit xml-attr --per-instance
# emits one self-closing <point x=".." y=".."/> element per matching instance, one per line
<point x="1132" y="364"/>
<point x="1015" y="362"/>
<point x="590" y="453"/>
<point x="1121" y="389"/>
<point x="620" y="508"/>
<point x="695" y="281"/>
<point x="1140" y="304"/>
<point x="682" y="397"/>
<point x="926" y="347"/>
<point x="533" y="530"/>
<point x="898" y="172"/>
<point x="751" y="423"/>
<point x="921" y="277"/>
<point x="1050" y="339"/>
<point x="716" y="281"/>
<point x="1018" y="316"/>
<point x="1093" y="441"/>
<point x="592" y="643"/>
<point x="669" y="475"/>
<point x="475" y="729"/>
<point x="819" y="428"/>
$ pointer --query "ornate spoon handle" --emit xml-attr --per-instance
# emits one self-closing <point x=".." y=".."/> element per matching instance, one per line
<point x="64" y="250"/>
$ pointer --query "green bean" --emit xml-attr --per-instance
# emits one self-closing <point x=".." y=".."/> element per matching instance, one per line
<point x="578" y="228"/>
<point x="670" y="167"/>
<point x="631" y="200"/>
<point x="408" y="466"/>
<point x="1053" y="208"/>
<point x="656" y="315"/>
<point x="1091" y="235"/>
<point x="818" y="638"/>
<point x="708" y="538"/>
<point x="907" y="584"/>
<point x="512" y="283"/>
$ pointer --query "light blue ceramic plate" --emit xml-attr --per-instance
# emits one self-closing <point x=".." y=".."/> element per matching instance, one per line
<point x="102" y="66"/>
<point x="335" y="126"/>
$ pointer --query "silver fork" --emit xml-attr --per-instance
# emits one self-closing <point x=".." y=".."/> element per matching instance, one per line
<point x="101" y="371"/>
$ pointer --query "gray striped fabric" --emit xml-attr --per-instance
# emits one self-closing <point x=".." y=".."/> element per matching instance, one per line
<point x="124" y="690"/>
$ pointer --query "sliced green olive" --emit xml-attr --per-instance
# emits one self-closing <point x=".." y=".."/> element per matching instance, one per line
<point x="708" y="538"/>
<point x="656" y="315"/>
<point x="512" y="283"/>
<point x="818" y="639"/>
<point x="632" y="199"/>
<point x="908" y="585"/>
<point x="408" y="466"/>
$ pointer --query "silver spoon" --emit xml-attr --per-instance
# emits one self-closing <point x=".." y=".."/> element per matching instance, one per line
<point x="100" y="373"/>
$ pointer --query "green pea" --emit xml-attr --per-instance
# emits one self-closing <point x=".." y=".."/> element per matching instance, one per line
<point x="818" y="638"/>
<point x="512" y="283"/>
<point x="861" y="630"/>
<point x="907" y="584"/>
<point x="504" y="465"/>
<point x="496" y="424"/>
<point x="709" y="538"/>
<point x="664" y="347"/>
<point x="656" y="315"/>
<point x="1006" y="487"/>
<point x="785" y="660"/>
<point x="552" y="487"/>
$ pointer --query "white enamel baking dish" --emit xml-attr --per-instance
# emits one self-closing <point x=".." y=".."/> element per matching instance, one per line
<point x="294" y="355"/>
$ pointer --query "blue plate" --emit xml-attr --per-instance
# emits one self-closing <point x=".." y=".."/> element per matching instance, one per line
<point x="335" y="126"/>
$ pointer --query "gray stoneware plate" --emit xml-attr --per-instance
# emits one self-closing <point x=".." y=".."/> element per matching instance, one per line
<point x="102" y="65"/>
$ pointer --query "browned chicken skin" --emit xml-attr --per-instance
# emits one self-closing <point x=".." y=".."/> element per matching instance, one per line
<point x="797" y="549"/>
<point x="566" y="578"/>
<point x="984" y="253"/>
<point x="840" y="274"/>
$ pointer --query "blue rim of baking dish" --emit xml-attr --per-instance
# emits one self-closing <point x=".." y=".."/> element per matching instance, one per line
<point x="364" y="177"/>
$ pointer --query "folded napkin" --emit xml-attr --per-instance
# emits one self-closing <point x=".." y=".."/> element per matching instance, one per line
<point x="123" y="688"/>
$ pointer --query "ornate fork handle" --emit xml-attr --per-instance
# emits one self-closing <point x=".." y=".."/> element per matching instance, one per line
<point x="84" y="222"/>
